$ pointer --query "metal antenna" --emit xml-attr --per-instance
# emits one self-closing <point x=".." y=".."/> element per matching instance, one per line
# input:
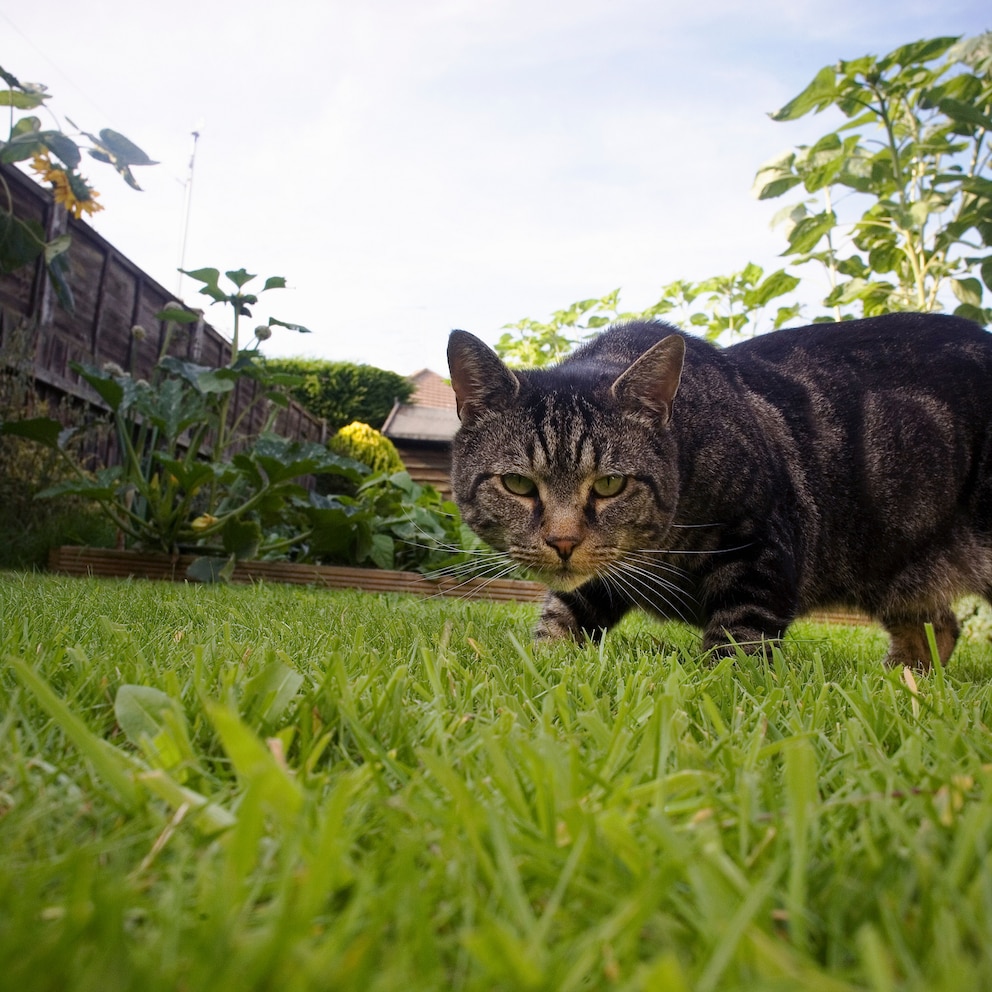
<point x="186" y="212"/>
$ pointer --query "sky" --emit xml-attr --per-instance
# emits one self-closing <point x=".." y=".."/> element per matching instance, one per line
<point x="413" y="166"/>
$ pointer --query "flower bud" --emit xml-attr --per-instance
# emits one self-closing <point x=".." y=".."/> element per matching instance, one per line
<point x="203" y="522"/>
<point x="138" y="332"/>
<point x="263" y="332"/>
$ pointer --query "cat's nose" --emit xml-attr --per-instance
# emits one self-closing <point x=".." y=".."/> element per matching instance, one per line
<point x="563" y="545"/>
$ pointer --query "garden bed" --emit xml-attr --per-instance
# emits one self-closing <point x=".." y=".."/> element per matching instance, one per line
<point x="110" y="563"/>
<point x="72" y="560"/>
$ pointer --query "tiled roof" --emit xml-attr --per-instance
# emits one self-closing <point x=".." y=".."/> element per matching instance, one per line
<point x="431" y="390"/>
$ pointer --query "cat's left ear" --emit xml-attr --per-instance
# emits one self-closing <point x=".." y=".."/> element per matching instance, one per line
<point x="480" y="380"/>
<point x="653" y="380"/>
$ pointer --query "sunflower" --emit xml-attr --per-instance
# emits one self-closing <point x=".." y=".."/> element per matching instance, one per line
<point x="70" y="190"/>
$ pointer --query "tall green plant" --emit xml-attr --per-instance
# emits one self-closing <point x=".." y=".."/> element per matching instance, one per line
<point x="716" y="306"/>
<point x="55" y="157"/>
<point x="901" y="205"/>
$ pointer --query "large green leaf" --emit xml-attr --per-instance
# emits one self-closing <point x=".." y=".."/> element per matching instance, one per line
<point x="807" y="233"/>
<point x="211" y="569"/>
<point x="241" y="538"/>
<point x="299" y="328"/>
<point x="171" y="407"/>
<point x="111" y="390"/>
<point x="269" y="695"/>
<point x="20" y="100"/>
<point x="124" y="151"/>
<point x="21" y="242"/>
<point x="43" y="430"/>
<point x="819" y="94"/>
<point x="156" y="723"/>
<point x="64" y="148"/>
<point x="254" y="764"/>
<point x="968" y="291"/>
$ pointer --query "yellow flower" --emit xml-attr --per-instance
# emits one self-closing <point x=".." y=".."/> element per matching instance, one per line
<point x="203" y="522"/>
<point x="69" y="189"/>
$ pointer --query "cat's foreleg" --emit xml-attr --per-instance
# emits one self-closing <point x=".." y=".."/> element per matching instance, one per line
<point x="747" y="609"/>
<point x="909" y="644"/>
<point x="587" y="612"/>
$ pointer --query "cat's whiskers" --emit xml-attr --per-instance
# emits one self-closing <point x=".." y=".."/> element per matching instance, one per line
<point x="645" y="584"/>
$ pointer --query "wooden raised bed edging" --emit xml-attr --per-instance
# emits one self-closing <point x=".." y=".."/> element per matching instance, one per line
<point x="71" y="560"/>
<point x="110" y="563"/>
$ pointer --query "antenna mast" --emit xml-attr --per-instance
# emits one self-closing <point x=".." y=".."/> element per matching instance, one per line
<point x="188" y="200"/>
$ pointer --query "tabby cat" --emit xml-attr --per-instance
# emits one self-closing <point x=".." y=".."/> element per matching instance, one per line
<point x="738" y="488"/>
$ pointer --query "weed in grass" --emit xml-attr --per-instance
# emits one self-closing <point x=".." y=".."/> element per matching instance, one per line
<point x="257" y="788"/>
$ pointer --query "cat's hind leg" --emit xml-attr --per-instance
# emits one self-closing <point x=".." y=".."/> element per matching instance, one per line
<point x="909" y="643"/>
<point x="587" y="612"/>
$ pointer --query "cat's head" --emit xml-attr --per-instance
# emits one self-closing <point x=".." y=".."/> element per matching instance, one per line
<point x="570" y="470"/>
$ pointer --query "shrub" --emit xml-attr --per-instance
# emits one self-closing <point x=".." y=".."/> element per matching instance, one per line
<point x="367" y="445"/>
<point x="342" y="392"/>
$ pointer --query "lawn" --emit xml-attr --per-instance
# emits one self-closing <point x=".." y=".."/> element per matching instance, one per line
<point x="268" y="788"/>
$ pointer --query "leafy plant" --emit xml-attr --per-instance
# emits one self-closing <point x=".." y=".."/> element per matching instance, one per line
<point x="188" y="474"/>
<point x="717" y="306"/>
<point x="390" y="522"/>
<point x="56" y="158"/>
<point x="913" y="158"/>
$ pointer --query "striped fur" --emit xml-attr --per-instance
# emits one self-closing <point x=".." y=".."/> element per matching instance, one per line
<point x="831" y="465"/>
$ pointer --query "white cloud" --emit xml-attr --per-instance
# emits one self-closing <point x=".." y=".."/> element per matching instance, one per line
<point x="416" y="166"/>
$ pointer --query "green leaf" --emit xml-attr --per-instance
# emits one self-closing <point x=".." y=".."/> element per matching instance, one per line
<point x="156" y="723"/>
<point x="274" y="282"/>
<point x="241" y="538"/>
<point x="178" y="316"/>
<point x="43" y="430"/>
<point x="254" y="763"/>
<point x="293" y="327"/>
<point x="124" y="151"/>
<point x="20" y="100"/>
<point x="209" y="278"/>
<point x="968" y="291"/>
<point x="64" y="148"/>
<point x="971" y="312"/>
<point x="269" y="695"/>
<point x="109" y="389"/>
<point x="987" y="271"/>
<point x="209" y="818"/>
<point x="58" y="270"/>
<point x="966" y="114"/>
<point x="819" y="94"/>
<point x="191" y="477"/>
<point x="110" y="765"/>
<point x="382" y="551"/>
<point x="922" y="51"/>
<point x="56" y="247"/>
<point x="807" y="233"/>
<point x="211" y="569"/>
<point x="239" y="277"/>
<point x="21" y="242"/>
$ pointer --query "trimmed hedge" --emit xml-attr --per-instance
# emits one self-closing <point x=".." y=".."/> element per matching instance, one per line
<point x="343" y="392"/>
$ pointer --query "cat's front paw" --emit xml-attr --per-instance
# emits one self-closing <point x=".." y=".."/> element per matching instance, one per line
<point x="557" y="622"/>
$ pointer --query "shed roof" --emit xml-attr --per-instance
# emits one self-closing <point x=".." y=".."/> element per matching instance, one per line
<point x="413" y="422"/>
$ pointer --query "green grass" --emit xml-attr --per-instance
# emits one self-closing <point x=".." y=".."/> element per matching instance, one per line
<point x="322" y="790"/>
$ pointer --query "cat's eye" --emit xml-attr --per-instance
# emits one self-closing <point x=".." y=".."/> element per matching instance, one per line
<point x="609" y="485"/>
<point x="519" y="485"/>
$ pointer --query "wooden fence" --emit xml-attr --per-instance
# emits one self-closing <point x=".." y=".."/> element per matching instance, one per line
<point x="112" y="295"/>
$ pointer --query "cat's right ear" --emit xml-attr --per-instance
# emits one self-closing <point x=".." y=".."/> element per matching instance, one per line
<point x="480" y="380"/>
<point x="653" y="380"/>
